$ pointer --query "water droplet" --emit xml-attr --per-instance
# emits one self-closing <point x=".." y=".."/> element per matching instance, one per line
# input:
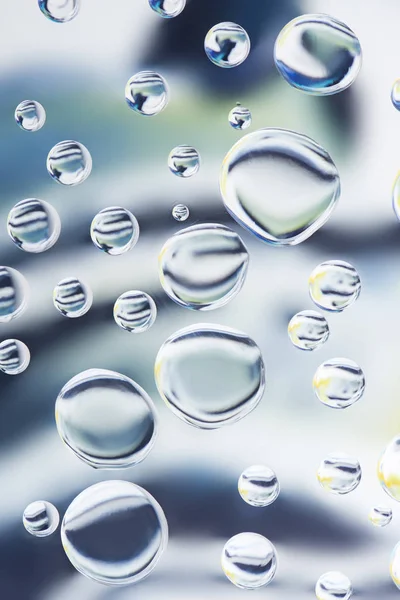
<point x="308" y="330"/>
<point x="14" y="357"/>
<point x="333" y="586"/>
<point x="60" y="11"/>
<point x="72" y="297"/>
<point x="184" y="161"/>
<point x="106" y="419"/>
<point x="210" y="375"/>
<point x="258" y="485"/>
<point x="227" y="45"/>
<point x="339" y="382"/>
<point x="41" y="518"/>
<point x="147" y="93"/>
<point x="14" y="292"/>
<point x="168" y="8"/>
<point x="114" y="230"/>
<point x="334" y="285"/>
<point x="204" y="266"/>
<point x="30" y="115"/>
<point x="395" y="565"/>
<point x="240" y="117"/>
<point x="135" y="311"/>
<point x="318" y="54"/>
<point x="395" y="96"/>
<point x="280" y="185"/>
<point x="114" y="532"/>
<point x="389" y="469"/>
<point x="69" y="163"/>
<point x="249" y="560"/>
<point x="180" y="212"/>
<point x="33" y="225"/>
<point x="380" y="516"/>
<point x="396" y="196"/>
<point x="339" y="473"/>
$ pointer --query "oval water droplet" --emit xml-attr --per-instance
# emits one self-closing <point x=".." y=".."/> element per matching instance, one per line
<point x="147" y="93"/>
<point x="249" y="560"/>
<point x="33" y="225"/>
<point x="258" y="485"/>
<point x="395" y="565"/>
<point x="180" y="212"/>
<point x="333" y="586"/>
<point x="396" y="196"/>
<point x="60" y="11"/>
<point x="227" y="45"/>
<point x="72" y="298"/>
<point x="69" y="163"/>
<point x="339" y="473"/>
<point x="239" y="117"/>
<point x="308" y="330"/>
<point x="14" y="293"/>
<point x="380" y="516"/>
<point x="168" y="8"/>
<point x="334" y="285"/>
<point x="389" y="469"/>
<point x="30" y="115"/>
<point x="41" y="518"/>
<point x="135" y="311"/>
<point x="14" y="357"/>
<point x="339" y="382"/>
<point x="184" y="161"/>
<point x="395" y="95"/>
<point x="114" y="230"/>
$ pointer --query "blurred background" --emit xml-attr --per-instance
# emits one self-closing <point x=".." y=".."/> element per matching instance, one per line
<point x="78" y="71"/>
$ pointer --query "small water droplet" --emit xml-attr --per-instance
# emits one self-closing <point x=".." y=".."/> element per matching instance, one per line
<point x="249" y="560"/>
<point x="114" y="230"/>
<point x="258" y="485"/>
<point x="389" y="469"/>
<point x="184" y="161"/>
<point x="395" y="95"/>
<point x="380" y="516"/>
<point x="135" y="311"/>
<point x="147" y="93"/>
<point x="180" y="212"/>
<point x="240" y="117"/>
<point x="33" y="225"/>
<point x="339" y="473"/>
<point x="227" y="45"/>
<point x="60" y="11"/>
<point x="41" y="518"/>
<point x="308" y="330"/>
<point x="334" y="285"/>
<point x="72" y="297"/>
<point x="167" y="8"/>
<point x="395" y="565"/>
<point x="69" y="163"/>
<point x="339" y="382"/>
<point x="396" y="196"/>
<point x="14" y="293"/>
<point x="333" y="586"/>
<point x="30" y="115"/>
<point x="14" y="357"/>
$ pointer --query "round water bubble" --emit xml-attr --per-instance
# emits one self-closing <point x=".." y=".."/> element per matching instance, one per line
<point x="30" y="115"/>
<point x="395" y="95"/>
<point x="69" y="163"/>
<point x="318" y="54"/>
<point x="333" y="586"/>
<point x="135" y="311"/>
<point x="210" y="375"/>
<point x="334" y="285"/>
<point x="339" y="473"/>
<point x="114" y="230"/>
<point x="184" y="161"/>
<point x="204" y="266"/>
<point x="114" y="532"/>
<point x="33" y="225"/>
<point x="239" y="117"/>
<point x="60" y="11"/>
<point x="395" y="565"/>
<point x="280" y="185"/>
<point x="14" y="357"/>
<point x="308" y="330"/>
<point x="227" y="45"/>
<point x="258" y="485"/>
<point x="380" y="516"/>
<point x="167" y="8"/>
<point x="180" y="212"/>
<point x="147" y="93"/>
<point x="72" y="297"/>
<point x="14" y="292"/>
<point x="106" y="419"/>
<point x="389" y="469"/>
<point x="41" y="518"/>
<point x="396" y="196"/>
<point x="249" y="560"/>
<point x="339" y="382"/>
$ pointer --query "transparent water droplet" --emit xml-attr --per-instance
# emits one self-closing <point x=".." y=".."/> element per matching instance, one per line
<point x="339" y="473"/>
<point x="180" y="212"/>
<point x="60" y="11"/>
<point x="334" y="285"/>
<point x="114" y="532"/>
<point x="395" y="95"/>
<point x="210" y="375"/>
<point x="204" y="266"/>
<point x="30" y="115"/>
<point x="389" y="469"/>
<point x="69" y="163"/>
<point x="167" y="8"/>
<point x="280" y="185"/>
<point x="308" y="330"/>
<point x="184" y="161"/>
<point x="14" y="357"/>
<point x="106" y="419"/>
<point x="41" y="518"/>
<point x="114" y="230"/>
<point x="227" y="45"/>
<point x="333" y="586"/>
<point x="72" y="297"/>
<point x="147" y="93"/>
<point x="249" y="560"/>
<point x="258" y="485"/>
<point x="135" y="311"/>
<point x="339" y="382"/>
<point x="14" y="293"/>
<point x="396" y="196"/>
<point x="33" y="225"/>
<point x="380" y="516"/>
<point x="395" y="565"/>
<point x="239" y="117"/>
<point x="318" y="54"/>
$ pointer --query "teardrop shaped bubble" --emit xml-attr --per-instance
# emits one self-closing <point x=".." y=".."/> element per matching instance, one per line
<point x="210" y="375"/>
<point x="106" y="419"/>
<point x="33" y="225"/>
<point x="180" y="212"/>
<point x="280" y="185"/>
<point x="135" y="311"/>
<point x="69" y="163"/>
<point x="147" y="93"/>
<point x="184" y="161"/>
<point x="167" y="8"/>
<point x="380" y="516"/>
<point x="333" y="586"/>
<point x="72" y="298"/>
<point x="318" y="54"/>
<point x="308" y="330"/>
<point x="334" y="285"/>
<point x="395" y="95"/>
<point x="258" y="485"/>
<point x="14" y="356"/>
<point x="239" y="117"/>
<point x="114" y="532"/>
<point x="30" y="115"/>
<point x="389" y="469"/>
<point x="339" y="473"/>
<point x="396" y="196"/>
<point x="204" y="266"/>
<point x="227" y="45"/>
<point x="41" y="518"/>
<point x="60" y="11"/>
<point x="114" y="230"/>
<point x="249" y="560"/>
<point x="14" y="293"/>
<point x="339" y="382"/>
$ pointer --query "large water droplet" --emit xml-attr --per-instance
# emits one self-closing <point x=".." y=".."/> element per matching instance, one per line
<point x="41" y="518"/>
<point x="33" y="225"/>
<point x="380" y="516"/>
<point x="334" y="285"/>
<point x="30" y="115"/>
<point x="239" y="117"/>
<point x="249" y="560"/>
<point x="227" y="45"/>
<point x="167" y="8"/>
<point x="14" y="292"/>
<point x="339" y="473"/>
<point x="184" y="161"/>
<point x="318" y="54"/>
<point x="339" y="382"/>
<point x="14" y="357"/>
<point x="210" y="375"/>
<point x="72" y="297"/>
<point x="60" y="11"/>
<point x="258" y="485"/>
<point x="395" y="565"/>
<point x="114" y="230"/>
<point x="135" y="311"/>
<point x="180" y="212"/>
<point x="308" y="330"/>
<point x="389" y="469"/>
<point x="280" y="185"/>
<point x="147" y="93"/>
<point x="333" y="586"/>
<point x="69" y="163"/>
<point x="114" y="532"/>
